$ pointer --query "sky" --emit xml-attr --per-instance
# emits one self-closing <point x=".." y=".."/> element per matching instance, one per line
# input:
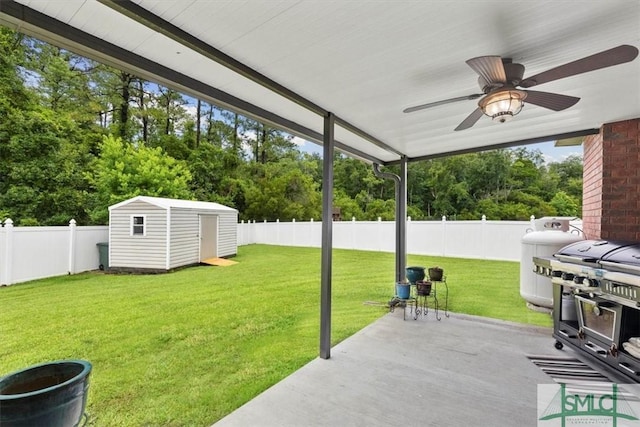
<point x="550" y="152"/>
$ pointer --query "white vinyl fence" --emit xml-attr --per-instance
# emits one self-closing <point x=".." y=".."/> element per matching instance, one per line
<point x="499" y="240"/>
<point x="29" y="253"/>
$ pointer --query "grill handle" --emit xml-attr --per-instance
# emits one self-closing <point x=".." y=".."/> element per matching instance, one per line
<point x="596" y="349"/>
<point x="628" y="369"/>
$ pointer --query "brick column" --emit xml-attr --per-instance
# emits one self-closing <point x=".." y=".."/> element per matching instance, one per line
<point x="611" y="182"/>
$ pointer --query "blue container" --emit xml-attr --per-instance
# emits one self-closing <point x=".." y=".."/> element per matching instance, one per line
<point x="415" y="274"/>
<point x="403" y="290"/>
<point x="51" y="394"/>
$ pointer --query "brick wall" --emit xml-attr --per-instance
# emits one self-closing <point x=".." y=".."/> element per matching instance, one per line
<point x="592" y="186"/>
<point x="611" y="184"/>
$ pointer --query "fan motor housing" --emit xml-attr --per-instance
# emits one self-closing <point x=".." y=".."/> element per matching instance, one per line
<point x="514" y="73"/>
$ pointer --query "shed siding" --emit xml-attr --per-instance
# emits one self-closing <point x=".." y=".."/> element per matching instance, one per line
<point x="147" y="251"/>
<point x="227" y="233"/>
<point x="185" y="238"/>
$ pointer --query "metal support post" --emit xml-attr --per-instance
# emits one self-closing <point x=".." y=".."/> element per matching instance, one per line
<point x="401" y="221"/>
<point x="327" y="234"/>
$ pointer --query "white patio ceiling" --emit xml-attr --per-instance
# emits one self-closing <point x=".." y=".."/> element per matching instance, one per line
<point x="366" y="61"/>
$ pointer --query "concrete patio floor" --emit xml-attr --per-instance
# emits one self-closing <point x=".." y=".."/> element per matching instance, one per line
<point x="461" y="371"/>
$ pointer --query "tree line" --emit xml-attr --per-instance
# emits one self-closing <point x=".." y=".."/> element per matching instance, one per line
<point x="77" y="136"/>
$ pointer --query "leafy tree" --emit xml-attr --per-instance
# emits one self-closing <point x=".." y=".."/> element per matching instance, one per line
<point x="281" y="191"/>
<point x="354" y="177"/>
<point x="210" y="166"/>
<point x="123" y="170"/>
<point x="384" y="209"/>
<point x="43" y="152"/>
<point x="62" y="79"/>
<point x="565" y="205"/>
<point x="526" y="170"/>
<point x="449" y="193"/>
<point x="349" y="208"/>
<point x="115" y="91"/>
<point x="568" y="176"/>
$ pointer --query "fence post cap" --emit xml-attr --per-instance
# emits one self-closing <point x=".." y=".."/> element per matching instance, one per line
<point x="444" y="217"/>
<point x="484" y="217"/>
<point x="8" y="222"/>
<point x="72" y="222"/>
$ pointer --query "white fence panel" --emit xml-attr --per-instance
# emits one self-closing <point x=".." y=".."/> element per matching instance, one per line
<point x="344" y="236"/>
<point x="285" y="232"/>
<point x="463" y="239"/>
<point x="243" y="234"/>
<point x="87" y="256"/>
<point x="39" y="252"/>
<point x="425" y="237"/>
<point x="503" y="239"/>
<point x="30" y="253"/>
<point x="311" y="234"/>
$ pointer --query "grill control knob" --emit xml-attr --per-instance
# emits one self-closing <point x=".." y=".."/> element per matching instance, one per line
<point x="556" y="273"/>
<point x="567" y="276"/>
<point x="578" y="280"/>
<point x="592" y="283"/>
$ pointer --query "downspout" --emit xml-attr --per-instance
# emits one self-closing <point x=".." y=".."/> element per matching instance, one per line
<point x="401" y="214"/>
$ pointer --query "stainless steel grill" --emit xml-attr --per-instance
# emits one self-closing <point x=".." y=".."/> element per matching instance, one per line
<point x="596" y="290"/>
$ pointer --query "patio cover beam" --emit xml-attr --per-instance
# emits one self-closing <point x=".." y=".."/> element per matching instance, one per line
<point x="517" y="143"/>
<point x="43" y="27"/>
<point x="156" y="23"/>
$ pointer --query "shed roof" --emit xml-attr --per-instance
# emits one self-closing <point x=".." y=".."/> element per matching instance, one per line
<point x="166" y="203"/>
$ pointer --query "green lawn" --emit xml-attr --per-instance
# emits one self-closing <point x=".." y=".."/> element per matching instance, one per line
<point x="188" y="347"/>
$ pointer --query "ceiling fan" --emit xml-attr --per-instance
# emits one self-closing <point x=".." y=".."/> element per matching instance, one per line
<point x="503" y="86"/>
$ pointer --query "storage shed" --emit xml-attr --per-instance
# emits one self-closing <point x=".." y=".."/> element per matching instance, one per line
<point x="159" y="234"/>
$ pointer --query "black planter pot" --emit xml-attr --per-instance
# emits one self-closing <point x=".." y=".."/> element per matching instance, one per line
<point x="52" y="394"/>
<point x="423" y="288"/>
<point x="435" y="274"/>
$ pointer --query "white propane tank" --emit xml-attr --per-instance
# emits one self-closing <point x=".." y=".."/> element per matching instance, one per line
<point x="551" y="234"/>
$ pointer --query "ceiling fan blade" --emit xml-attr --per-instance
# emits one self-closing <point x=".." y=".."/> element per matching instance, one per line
<point x="607" y="58"/>
<point x="443" y="102"/>
<point x="470" y="120"/>
<point x="490" y="68"/>
<point x="552" y="101"/>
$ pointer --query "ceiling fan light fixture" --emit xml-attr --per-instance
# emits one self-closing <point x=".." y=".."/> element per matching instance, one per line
<point x="502" y="105"/>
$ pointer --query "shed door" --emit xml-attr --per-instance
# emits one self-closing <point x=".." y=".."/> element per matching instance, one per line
<point x="208" y="237"/>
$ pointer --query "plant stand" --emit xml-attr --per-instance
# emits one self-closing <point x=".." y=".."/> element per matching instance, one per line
<point x="419" y="305"/>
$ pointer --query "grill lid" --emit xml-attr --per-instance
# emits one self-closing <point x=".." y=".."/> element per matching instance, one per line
<point x="589" y="251"/>
<point x="624" y="259"/>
